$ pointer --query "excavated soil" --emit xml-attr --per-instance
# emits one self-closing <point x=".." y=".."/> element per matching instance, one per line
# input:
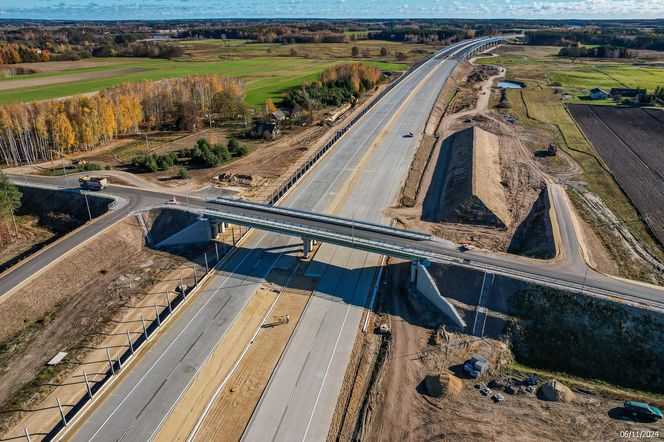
<point x="399" y="407"/>
<point x="521" y="181"/>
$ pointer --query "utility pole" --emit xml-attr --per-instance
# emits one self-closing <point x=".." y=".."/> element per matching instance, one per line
<point x="64" y="169"/>
<point x="87" y="204"/>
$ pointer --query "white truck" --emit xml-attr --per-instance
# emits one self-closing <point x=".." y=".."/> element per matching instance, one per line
<point x="476" y="366"/>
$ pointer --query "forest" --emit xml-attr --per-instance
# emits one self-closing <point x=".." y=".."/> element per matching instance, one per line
<point x="336" y="85"/>
<point x="39" y="131"/>
<point x="625" y="38"/>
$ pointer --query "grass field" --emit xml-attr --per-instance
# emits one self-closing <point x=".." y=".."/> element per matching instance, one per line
<point x="607" y="76"/>
<point x="266" y="77"/>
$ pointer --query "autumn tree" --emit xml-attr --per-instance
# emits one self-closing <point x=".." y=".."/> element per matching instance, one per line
<point x="269" y="106"/>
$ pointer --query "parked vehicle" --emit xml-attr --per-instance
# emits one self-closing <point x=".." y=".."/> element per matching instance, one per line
<point x="92" y="182"/>
<point x="498" y="397"/>
<point x="642" y="410"/>
<point x="408" y="135"/>
<point x="486" y="391"/>
<point x="476" y="365"/>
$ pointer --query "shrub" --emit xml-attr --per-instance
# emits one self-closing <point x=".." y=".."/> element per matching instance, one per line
<point x="236" y="149"/>
<point x="183" y="173"/>
<point x="87" y="167"/>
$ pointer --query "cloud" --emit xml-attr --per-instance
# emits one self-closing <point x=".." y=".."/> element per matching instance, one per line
<point x="160" y="9"/>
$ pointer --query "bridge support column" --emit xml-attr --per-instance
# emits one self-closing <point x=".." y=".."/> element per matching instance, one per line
<point x="222" y="227"/>
<point x="413" y="271"/>
<point x="307" y="246"/>
<point x="214" y="228"/>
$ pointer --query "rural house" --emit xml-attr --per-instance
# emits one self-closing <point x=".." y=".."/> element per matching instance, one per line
<point x="623" y="92"/>
<point x="598" y="94"/>
<point x="277" y="115"/>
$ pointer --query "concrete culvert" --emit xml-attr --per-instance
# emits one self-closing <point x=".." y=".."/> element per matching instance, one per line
<point x="443" y="385"/>
<point x="554" y="391"/>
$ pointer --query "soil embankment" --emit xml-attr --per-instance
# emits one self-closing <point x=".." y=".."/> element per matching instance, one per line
<point x="515" y="184"/>
<point x="544" y="326"/>
<point x="44" y="216"/>
<point x="69" y="306"/>
<point x="400" y="405"/>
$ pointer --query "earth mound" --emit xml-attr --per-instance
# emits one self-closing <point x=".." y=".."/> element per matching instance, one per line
<point x="554" y="391"/>
<point x="443" y="385"/>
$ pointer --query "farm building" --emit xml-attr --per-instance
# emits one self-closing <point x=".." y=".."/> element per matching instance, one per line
<point x="598" y="94"/>
<point x="277" y="115"/>
<point x="623" y="92"/>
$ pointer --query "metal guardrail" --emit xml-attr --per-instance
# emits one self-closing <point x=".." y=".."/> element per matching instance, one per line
<point x="323" y="217"/>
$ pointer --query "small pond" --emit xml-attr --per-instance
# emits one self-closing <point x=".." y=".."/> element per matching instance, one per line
<point x="509" y="85"/>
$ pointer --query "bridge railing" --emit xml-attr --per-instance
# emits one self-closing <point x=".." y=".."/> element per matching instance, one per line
<point x="323" y="217"/>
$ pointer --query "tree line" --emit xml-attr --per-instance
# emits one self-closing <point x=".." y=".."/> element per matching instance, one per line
<point x="595" y="52"/>
<point x="39" y="131"/>
<point x="10" y="200"/>
<point x="624" y="38"/>
<point x="336" y="85"/>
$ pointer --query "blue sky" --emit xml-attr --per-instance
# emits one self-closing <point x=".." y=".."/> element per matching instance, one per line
<point x="162" y="9"/>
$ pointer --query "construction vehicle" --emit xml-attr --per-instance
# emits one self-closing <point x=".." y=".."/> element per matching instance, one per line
<point x="476" y="366"/>
<point x="93" y="182"/>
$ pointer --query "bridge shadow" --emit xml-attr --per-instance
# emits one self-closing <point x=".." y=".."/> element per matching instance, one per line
<point x="333" y="283"/>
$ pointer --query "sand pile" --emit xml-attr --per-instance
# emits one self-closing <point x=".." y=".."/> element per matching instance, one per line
<point x="443" y="385"/>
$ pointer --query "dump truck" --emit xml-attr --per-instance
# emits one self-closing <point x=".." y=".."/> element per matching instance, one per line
<point x="93" y="182"/>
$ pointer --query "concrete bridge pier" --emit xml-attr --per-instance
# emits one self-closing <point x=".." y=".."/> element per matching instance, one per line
<point x="308" y="245"/>
<point x="413" y="271"/>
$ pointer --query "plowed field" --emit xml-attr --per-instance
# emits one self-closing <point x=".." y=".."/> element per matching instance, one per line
<point x="631" y="143"/>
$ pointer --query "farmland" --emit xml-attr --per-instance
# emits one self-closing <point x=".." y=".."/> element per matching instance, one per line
<point x="541" y="109"/>
<point x="631" y="143"/>
<point x="265" y="77"/>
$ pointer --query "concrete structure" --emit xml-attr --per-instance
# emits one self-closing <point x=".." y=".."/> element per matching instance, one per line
<point x="197" y="233"/>
<point x="427" y="287"/>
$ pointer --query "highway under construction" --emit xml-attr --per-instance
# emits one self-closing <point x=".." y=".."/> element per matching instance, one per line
<point x="294" y="291"/>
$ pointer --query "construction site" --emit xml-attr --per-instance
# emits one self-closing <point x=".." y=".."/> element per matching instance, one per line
<point x="410" y="272"/>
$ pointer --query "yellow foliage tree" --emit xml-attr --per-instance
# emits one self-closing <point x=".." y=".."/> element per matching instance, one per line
<point x="269" y="106"/>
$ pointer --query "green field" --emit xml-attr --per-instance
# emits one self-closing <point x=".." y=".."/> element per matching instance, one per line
<point x="607" y="76"/>
<point x="265" y="77"/>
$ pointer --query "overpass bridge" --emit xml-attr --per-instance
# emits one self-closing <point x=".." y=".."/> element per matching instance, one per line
<point x="419" y="248"/>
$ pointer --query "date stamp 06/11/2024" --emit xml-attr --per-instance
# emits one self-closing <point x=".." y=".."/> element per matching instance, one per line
<point x="639" y="434"/>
